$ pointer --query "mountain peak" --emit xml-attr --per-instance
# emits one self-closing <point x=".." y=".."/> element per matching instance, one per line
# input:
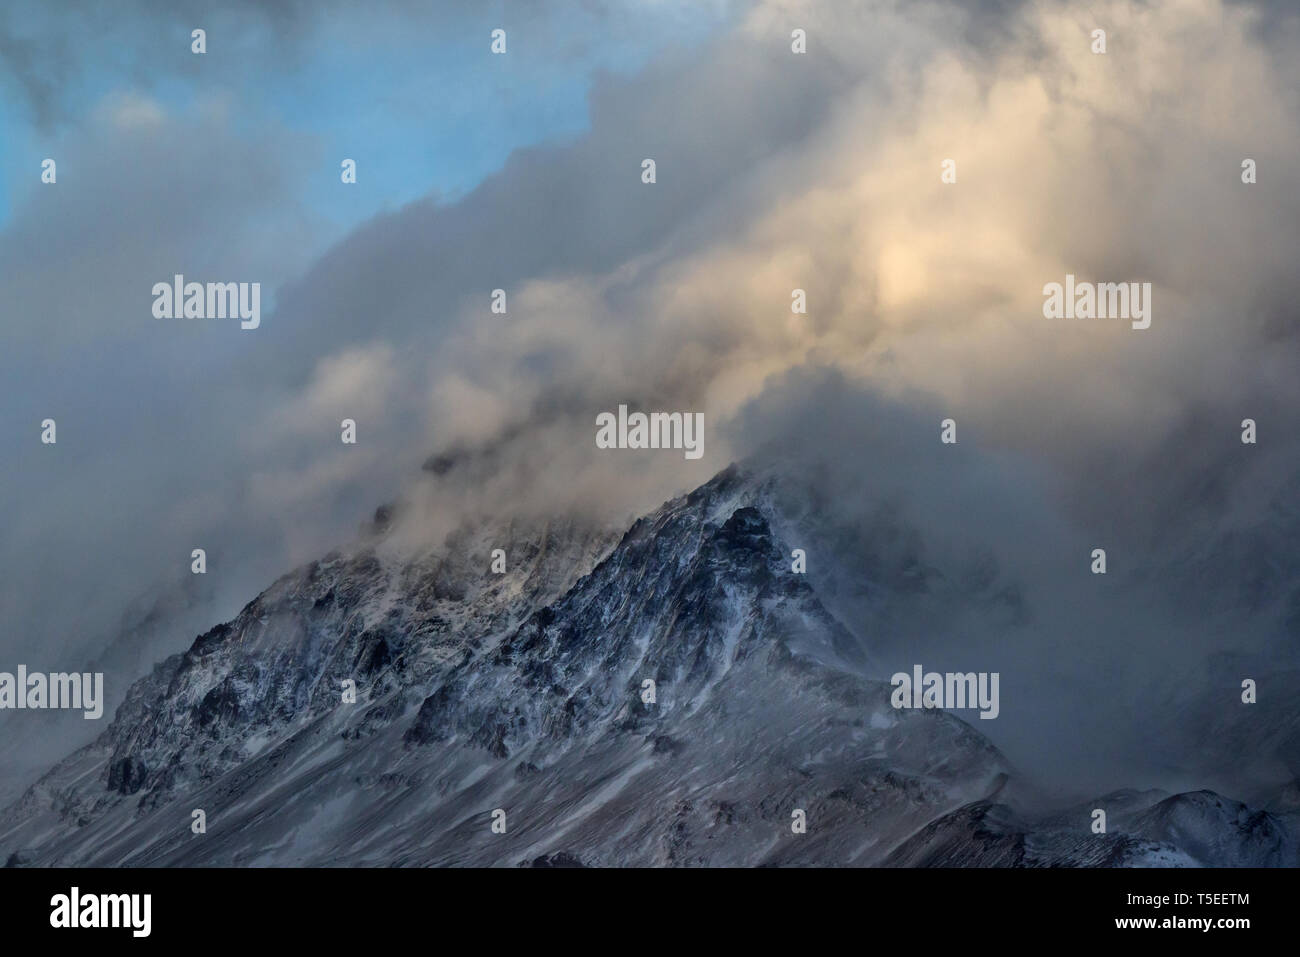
<point x="672" y="695"/>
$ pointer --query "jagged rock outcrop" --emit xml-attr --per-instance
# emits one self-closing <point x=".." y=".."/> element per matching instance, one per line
<point x="529" y="693"/>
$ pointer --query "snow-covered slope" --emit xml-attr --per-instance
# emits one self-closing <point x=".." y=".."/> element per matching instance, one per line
<point x="1143" y="829"/>
<point x="526" y="692"/>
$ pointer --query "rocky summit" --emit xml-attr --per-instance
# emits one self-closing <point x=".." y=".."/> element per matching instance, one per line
<point x="674" y="696"/>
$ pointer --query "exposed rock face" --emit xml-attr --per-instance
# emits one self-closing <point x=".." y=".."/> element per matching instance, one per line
<point x="530" y="692"/>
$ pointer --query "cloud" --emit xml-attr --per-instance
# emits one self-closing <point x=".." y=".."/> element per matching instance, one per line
<point x="1123" y="167"/>
<point x="146" y="424"/>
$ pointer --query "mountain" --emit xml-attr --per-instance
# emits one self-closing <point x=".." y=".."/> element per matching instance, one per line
<point x="529" y="692"/>
<point x="1144" y="829"/>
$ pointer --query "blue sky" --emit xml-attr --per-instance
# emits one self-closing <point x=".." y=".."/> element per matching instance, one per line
<point x="422" y="110"/>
